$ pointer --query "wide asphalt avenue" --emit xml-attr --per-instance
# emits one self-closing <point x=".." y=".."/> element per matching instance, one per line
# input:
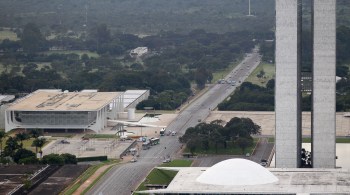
<point x="123" y="179"/>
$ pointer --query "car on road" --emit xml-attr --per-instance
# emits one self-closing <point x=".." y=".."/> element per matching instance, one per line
<point x="85" y="138"/>
<point x="263" y="162"/>
<point x="168" y="160"/>
<point x="65" y="142"/>
<point x="173" y="133"/>
<point x="133" y="160"/>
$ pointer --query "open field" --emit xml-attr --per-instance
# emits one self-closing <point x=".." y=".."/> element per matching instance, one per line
<point x="269" y="70"/>
<point x="78" y="52"/>
<point x="7" y="34"/>
<point x="222" y="73"/>
<point x="232" y="149"/>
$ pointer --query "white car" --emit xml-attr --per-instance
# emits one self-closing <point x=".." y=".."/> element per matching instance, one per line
<point x="173" y="133"/>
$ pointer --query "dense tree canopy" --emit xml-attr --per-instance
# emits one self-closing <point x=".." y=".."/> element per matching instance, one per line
<point x="204" y="136"/>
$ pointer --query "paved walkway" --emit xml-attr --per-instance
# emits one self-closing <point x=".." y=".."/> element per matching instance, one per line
<point x="267" y="121"/>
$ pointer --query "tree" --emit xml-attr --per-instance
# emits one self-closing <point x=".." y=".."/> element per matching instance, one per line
<point x="53" y="159"/>
<point x="243" y="143"/>
<point x="270" y="84"/>
<point x="11" y="147"/>
<point x="22" y="154"/>
<point x="21" y="137"/>
<point x="38" y="143"/>
<point x="201" y="77"/>
<point x="36" y="133"/>
<point x="216" y="138"/>
<point x="32" y="40"/>
<point x="242" y="127"/>
<point x="2" y="136"/>
<point x="192" y="145"/>
<point x="69" y="158"/>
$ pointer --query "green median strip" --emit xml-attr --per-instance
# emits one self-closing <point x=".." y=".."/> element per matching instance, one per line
<point x="97" y="179"/>
<point x="86" y="175"/>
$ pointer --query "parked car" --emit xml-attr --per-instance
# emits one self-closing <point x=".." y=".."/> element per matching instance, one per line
<point x="133" y="160"/>
<point x="65" y="142"/>
<point x="263" y="162"/>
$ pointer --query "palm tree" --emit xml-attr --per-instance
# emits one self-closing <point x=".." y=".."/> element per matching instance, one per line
<point x="38" y="143"/>
<point x="21" y="137"/>
<point x="2" y="136"/>
<point x="36" y="133"/>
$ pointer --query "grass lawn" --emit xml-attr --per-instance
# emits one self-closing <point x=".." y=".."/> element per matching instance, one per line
<point x="308" y="139"/>
<point x="269" y="70"/>
<point x="161" y="177"/>
<point x="78" y="52"/>
<point x="231" y="149"/>
<point x="27" y="144"/>
<point x="343" y="140"/>
<point x="7" y="34"/>
<point x="177" y="163"/>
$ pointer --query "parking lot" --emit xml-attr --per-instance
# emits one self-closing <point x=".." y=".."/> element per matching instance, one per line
<point x="89" y="147"/>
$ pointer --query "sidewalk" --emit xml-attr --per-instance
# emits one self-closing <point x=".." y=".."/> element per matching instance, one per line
<point x="92" y="178"/>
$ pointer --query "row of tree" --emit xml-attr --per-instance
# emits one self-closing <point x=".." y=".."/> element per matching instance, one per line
<point x="203" y="136"/>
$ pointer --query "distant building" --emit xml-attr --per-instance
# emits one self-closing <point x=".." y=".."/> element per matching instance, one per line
<point x="138" y="52"/>
<point x="54" y="109"/>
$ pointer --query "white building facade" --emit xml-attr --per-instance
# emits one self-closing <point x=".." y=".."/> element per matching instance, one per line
<point x="54" y="109"/>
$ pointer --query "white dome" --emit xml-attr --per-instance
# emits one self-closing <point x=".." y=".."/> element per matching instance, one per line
<point x="237" y="172"/>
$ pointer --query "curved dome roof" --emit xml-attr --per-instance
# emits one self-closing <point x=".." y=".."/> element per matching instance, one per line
<point x="237" y="172"/>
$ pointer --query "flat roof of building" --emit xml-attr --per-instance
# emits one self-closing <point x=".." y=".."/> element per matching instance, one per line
<point x="131" y="95"/>
<point x="46" y="100"/>
<point x="6" y="98"/>
<point x="290" y="181"/>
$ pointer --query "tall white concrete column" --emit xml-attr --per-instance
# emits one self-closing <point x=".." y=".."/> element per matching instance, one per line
<point x="324" y="66"/>
<point x="287" y="94"/>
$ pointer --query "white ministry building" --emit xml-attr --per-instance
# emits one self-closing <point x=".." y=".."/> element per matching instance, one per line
<point x="54" y="109"/>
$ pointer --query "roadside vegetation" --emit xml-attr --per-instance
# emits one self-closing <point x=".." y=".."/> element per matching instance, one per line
<point x="262" y="74"/>
<point x="86" y="175"/>
<point x="214" y="138"/>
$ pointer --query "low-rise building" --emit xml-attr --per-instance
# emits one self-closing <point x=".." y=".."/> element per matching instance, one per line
<point x="54" y="109"/>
